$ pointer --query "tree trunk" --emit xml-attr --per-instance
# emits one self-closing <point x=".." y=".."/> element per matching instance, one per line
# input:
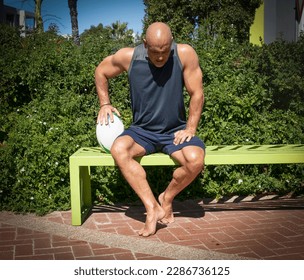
<point x="74" y="21"/>
<point x="38" y="17"/>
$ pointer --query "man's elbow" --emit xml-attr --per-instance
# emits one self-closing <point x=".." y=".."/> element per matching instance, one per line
<point x="100" y="73"/>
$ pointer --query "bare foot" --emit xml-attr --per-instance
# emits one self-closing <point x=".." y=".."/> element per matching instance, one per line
<point x="169" y="217"/>
<point x="151" y="221"/>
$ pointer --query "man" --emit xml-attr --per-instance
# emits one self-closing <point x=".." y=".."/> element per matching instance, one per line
<point x="158" y="70"/>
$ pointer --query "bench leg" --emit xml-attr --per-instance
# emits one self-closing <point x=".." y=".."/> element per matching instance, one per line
<point x="81" y="201"/>
<point x="85" y="178"/>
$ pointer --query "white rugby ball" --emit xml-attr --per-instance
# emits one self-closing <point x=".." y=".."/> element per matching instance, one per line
<point x="106" y="134"/>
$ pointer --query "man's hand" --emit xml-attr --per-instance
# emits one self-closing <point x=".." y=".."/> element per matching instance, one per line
<point x="183" y="135"/>
<point x="105" y="112"/>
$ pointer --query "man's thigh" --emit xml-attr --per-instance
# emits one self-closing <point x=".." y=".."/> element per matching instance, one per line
<point x="195" y="141"/>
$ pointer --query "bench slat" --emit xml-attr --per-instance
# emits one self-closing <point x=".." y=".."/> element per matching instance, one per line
<point x="215" y="155"/>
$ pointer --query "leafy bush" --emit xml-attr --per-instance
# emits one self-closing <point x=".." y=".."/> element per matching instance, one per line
<point x="49" y="106"/>
<point x="44" y="134"/>
<point x="242" y="88"/>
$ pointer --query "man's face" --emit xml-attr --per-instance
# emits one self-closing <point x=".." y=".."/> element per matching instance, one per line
<point x="158" y="55"/>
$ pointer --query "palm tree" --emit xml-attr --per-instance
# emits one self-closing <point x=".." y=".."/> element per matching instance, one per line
<point x="38" y="16"/>
<point x="74" y="21"/>
<point x="120" y="31"/>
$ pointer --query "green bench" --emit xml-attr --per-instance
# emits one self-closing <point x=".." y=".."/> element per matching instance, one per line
<point x="81" y="160"/>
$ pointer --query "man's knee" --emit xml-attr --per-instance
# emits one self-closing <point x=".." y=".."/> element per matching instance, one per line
<point x="119" y="149"/>
<point x="125" y="147"/>
<point x="195" y="160"/>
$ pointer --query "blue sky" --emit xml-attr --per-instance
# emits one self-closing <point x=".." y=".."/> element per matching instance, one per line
<point x="90" y="12"/>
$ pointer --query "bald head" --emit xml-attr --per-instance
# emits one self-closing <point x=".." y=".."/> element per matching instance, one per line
<point x="158" y="43"/>
<point x="158" y="34"/>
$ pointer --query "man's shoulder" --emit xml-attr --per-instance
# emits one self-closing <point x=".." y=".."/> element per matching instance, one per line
<point x="123" y="57"/>
<point x="125" y="53"/>
<point x="184" y="49"/>
<point x="186" y="53"/>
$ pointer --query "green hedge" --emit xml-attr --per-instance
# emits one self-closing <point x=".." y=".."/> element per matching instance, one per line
<point x="48" y="106"/>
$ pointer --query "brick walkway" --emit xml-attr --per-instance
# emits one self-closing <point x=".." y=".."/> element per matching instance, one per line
<point x="266" y="228"/>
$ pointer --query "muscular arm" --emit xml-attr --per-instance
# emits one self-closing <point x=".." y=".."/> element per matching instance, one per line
<point x="193" y="79"/>
<point x="110" y="67"/>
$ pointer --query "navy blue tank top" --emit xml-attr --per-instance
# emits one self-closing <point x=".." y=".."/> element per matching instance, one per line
<point x="157" y="93"/>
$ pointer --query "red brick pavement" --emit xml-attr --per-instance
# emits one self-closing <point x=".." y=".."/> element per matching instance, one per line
<point x="262" y="229"/>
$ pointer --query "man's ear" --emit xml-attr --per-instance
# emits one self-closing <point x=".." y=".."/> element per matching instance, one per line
<point x="145" y="43"/>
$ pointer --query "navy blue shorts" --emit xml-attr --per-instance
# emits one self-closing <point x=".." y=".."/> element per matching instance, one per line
<point x="154" y="142"/>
